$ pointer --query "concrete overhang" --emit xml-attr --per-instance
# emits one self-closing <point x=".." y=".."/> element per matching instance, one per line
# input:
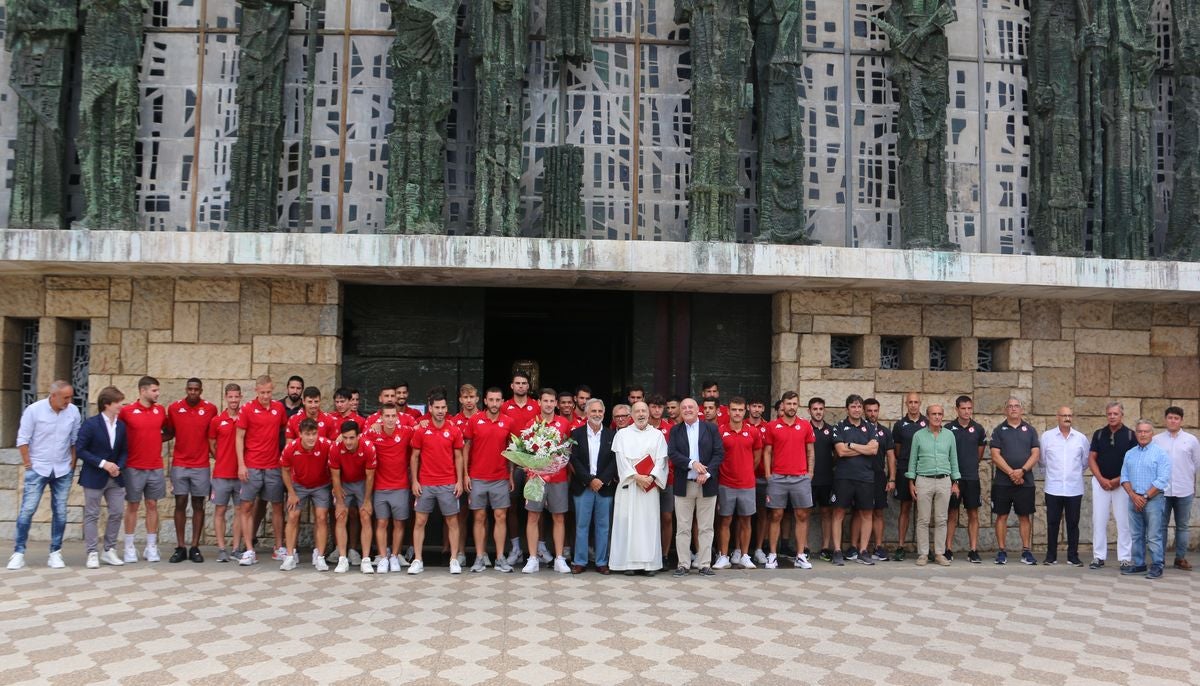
<point x="593" y="264"/>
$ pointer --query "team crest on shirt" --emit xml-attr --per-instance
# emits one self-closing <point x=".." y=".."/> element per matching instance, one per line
<point x="726" y="434"/>
<point x="274" y="412"/>
<point x="922" y="423"/>
<point x="445" y="434"/>
<point x="1023" y="428"/>
<point x="971" y="429"/>
<point x="826" y="432"/>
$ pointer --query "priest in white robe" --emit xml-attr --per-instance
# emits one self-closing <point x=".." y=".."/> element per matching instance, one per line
<point x="636" y="538"/>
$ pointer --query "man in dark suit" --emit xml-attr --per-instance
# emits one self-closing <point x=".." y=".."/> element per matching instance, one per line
<point x="102" y="452"/>
<point x="695" y="451"/>
<point x="593" y="483"/>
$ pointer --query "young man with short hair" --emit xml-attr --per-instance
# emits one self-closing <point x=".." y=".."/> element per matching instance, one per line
<point x="327" y="425"/>
<point x="1184" y="451"/>
<point x="257" y="445"/>
<point x="352" y="464"/>
<point x="856" y="446"/>
<point x="437" y="470"/>
<point x="736" y="492"/>
<point x="822" y="476"/>
<point x="788" y="458"/>
<point x="222" y="432"/>
<point x="489" y="476"/>
<point x="392" y="497"/>
<point x="190" y="469"/>
<point x="556" y="498"/>
<point x="147" y="425"/>
<point x="304" y="470"/>
<point x="885" y="477"/>
<point x="970" y="441"/>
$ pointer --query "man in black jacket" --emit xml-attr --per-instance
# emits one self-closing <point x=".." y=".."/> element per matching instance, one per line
<point x="102" y="451"/>
<point x="593" y="483"/>
<point x="695" y="451"/>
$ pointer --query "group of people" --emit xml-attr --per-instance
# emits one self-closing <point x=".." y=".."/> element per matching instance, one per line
<point x="715" y="478"/>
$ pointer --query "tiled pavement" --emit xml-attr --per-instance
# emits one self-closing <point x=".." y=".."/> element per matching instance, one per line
<point x="895" y="623"/>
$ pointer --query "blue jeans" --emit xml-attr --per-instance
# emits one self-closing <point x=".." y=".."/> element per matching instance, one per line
<point x="31" y="496"/>
<point x="1181" y="507"/>
<point x="1146" y="531"/>
<point x="593" y="512"/>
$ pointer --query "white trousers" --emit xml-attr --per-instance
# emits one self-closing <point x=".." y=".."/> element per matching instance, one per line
<point x="1104" y="503"/>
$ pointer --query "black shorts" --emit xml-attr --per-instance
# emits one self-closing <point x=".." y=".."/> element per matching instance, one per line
<point x="822" y="495"/>
<point x="970" y="496"/>
<point x="1006" y="498"/>
<point x="902" y="492"/>
<point x="881" y="494"/>
<point x="854" y="495"/>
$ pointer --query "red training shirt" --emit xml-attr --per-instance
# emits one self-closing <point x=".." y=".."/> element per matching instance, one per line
<point x="737" y="469"/>
<point x="789" y="446"/>
<point x="353" y="465"/>
<point x="143" y="434"/>
<point x="521" y="413"/>
<point x="564" y="432"/>
<point x="310" y="468"/>
<point x="262" y="425"/>
<point x="488" y="440"/>
<point x="437" y="444"/>
<point x="223" y="428"/>
<point x="391" y="457"/>
<point x="191" y="433"/>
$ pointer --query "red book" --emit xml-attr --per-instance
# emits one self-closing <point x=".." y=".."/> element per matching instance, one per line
<point x="645" y="468"/>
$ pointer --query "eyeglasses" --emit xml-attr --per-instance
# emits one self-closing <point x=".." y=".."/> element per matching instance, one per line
<point x="620" y="416"/>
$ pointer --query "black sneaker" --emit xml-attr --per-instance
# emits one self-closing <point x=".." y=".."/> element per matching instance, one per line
<point x="1096" y="564"/>
<point x="1074" y="562"/>
<point x="1050" y="561"/>
<point x="880" y="554"/>
<point x="838" y="561"/>
<point x="973" y="557"/>
<point x="852" y="553"/>
<point x="826" y="555"/>
<point x="194" y="555"/>
<point x="898" y="556"/>
<point x="864" y="560"/>
<point x="680" y="571"/>
<point x="949" y="554"/>
<point x="179" y="555"/>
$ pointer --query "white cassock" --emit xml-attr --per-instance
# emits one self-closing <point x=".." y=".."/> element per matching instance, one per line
<point x="636" y="532"/>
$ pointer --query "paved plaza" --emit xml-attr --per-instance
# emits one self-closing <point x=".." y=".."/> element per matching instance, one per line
<point x="893" y="623"/>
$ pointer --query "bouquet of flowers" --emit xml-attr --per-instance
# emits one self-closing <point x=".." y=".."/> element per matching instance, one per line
<point x="542" y="452"/>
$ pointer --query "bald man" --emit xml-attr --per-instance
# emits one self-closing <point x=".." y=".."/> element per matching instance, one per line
<point x="1065" y="457"/>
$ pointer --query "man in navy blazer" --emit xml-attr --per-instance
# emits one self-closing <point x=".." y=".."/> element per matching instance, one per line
<point x="695" y="451"/>
<point x="102" y="452"/>
<point x="593" y="483"/>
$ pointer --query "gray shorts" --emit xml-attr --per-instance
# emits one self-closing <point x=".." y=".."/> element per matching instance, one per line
<point x="355" y="493"/>
<point x="225" y="491"/>
<point x="784" y="490"/>
<point x="321" y="496"/>
<point x="735" y="501"/>
<point x="144" y="484"/>
<point x="262" y="483"/>
<point x="666" y="500"/>
<point x="193" y="481"/>
<point x="392" y="504"/>
<point x="555" y="500"/>
<point x="490" y="493"/>
<point x="443" y="496"/>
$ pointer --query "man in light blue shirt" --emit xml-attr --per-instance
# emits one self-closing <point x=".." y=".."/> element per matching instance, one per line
<point x="46" y="441"/>
<point x="1145" y="475"/>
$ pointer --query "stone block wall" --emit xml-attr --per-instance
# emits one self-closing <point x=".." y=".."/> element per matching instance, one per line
<point x="220" y="330"/>
<point x="1049" y="353"/>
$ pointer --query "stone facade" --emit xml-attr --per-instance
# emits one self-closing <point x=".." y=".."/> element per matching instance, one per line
<point x="220" y="330"/>
<point x="1048" y="353"/>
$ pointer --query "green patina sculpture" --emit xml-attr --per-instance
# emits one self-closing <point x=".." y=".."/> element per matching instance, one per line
<point x="108" y="112"/>
<point x="562" y="205"/>
<point x="39" y="37"/>
<point x="1183" y="227"/>
<point x="422" y="59"/>
<point x="499" y="49"/>
<point x="569" y="31"/>
<point x="1122" y="59"/>
<point x="720" y="48"/>
<point x="920" y="68"/>
<point x="777" y="29"/>
<point x="254" y="173"/>
<point x="1056" y="198"/>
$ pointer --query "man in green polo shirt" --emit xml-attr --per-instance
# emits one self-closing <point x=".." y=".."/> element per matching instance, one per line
<point x="933" y="475"/>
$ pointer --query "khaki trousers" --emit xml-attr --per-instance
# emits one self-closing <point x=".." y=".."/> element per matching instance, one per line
<point x="703" y="509"/>
<point x="933" y="496"/>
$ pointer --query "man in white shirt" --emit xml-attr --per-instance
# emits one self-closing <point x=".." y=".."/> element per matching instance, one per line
<point x="1065" y="457"/>
<point x="1184" y="450"/>
<point x="46" y="441"/>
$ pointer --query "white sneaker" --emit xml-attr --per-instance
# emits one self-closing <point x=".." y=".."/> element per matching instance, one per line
<point x="396" y="563"/>
<point x="736" y="557"/>
<point x="279" y="553"/>
<point x="93" y="561"/>
<point x="248" y="558"/>
<point x="130" y="554"/>
<point x="455" y="567"/>
<point x="771" y="562"/>
<point x="319" y="562"/>
<point x="416" y="567"/>
<point x="151" y="553"/>
<point x="479" y="566"/>
<point x="561" y="566"/>
<point x="289" y="563"/>
<point x="382" y="566"/>
<point x="17" y="561"/>
<point x="802" y="561"/>
<point x="544" y="556"/>
<point x="343" y="565"/>
<point x="722" y="562"/>
<point x="110" y="558"/>
<point x="760" y="557"/>
<point x="55" y="560"/>
<point x="747" y="562"/>
<point x="355" y="557"/>
<point x="365" y="565"/>
<point x="531" y="566"/>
